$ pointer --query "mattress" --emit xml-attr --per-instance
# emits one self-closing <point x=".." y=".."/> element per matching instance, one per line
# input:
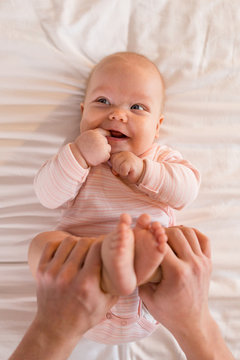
<point x="48" y="49"/>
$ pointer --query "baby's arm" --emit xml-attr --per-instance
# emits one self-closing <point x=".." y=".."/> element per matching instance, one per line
<point x="170" y="179"/>
<point x="59" y="179"/>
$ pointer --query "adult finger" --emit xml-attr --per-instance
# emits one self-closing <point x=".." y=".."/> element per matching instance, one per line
<point x="65" y="248"/>
<point x="61" y="254"/>
<point x="92" y="264"/>
<point x="192" y="239"/>
<point x="78" y="254"/>
<point x="92" y="268"/>
<point x="204" y="243"/>
<point x="178" y="243"/>
<point x="170" y="264"/>
<point x="48" y="252"/>
<point x="146" y="293"/>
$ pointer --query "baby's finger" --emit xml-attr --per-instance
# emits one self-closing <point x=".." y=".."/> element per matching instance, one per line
<point x="103" y="131"/>
<point x="119" y="156"/>
<point x="109" y="149"/>
<point x="115" y="173"/>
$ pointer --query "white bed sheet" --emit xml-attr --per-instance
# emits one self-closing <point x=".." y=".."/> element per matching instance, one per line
<point x="47" y="51"/>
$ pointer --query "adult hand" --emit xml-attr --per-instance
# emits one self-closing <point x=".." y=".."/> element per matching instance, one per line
<point x="180" y="300"/>
<point x="183" y="290"/>
<point x="69" y="299"/>
<point x="68" y="288"/>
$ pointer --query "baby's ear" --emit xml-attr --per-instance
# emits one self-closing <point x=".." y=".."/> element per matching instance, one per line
<point x="159" y="123"/>
<point x="82" y="107"/>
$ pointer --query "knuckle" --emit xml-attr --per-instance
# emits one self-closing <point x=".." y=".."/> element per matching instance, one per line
<point x="173" y="230"/>
<point x="50" y="247"/>
<point x="207" y="264"/>
<point x="182" y="275"/>
<point x="71" y="240"/>
<point x="84" y="290"/>
<point x="62" y="281"/>
<point x="46" y="277"/>
<point x="124" y="168"/>
<point x="188" y="231"/>
<point x="40" y="273"/>
<point x="201" y="266"/>
<point x="90" y="134"/>
<point x="197" y="267"/>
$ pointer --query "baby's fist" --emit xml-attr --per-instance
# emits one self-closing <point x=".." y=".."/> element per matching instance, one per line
<point x="127" y="165"/>
<point x="93" y="146"/>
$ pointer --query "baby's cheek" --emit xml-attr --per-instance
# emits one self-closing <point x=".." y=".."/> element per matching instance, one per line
<point x="88" y="122"/>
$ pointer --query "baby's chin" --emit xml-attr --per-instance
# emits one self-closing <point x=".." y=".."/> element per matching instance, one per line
<point x="119" y="151"/>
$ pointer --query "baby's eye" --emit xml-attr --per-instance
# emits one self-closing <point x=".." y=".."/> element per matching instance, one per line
<point x="137" y="107"/>
<point x="103" y="101"/>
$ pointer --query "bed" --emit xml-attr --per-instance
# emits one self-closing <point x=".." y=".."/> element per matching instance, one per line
<point x="48" y="49"/>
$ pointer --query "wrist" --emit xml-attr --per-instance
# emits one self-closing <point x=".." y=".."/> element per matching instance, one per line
<point x="142" y="173"/>
<point x="53" y="339"/>
<point x="78" y="156"/>
<point x="203" y="341"/>
<point x="39" y="343"/>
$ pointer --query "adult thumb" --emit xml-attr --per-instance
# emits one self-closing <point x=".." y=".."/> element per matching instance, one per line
<point x="146" y="292"/>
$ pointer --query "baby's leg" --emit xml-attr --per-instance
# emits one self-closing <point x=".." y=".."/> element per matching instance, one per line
<point x="118" y="275"/>
<point x="150" y="248"/>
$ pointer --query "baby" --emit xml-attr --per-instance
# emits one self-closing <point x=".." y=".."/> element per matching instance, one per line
<point x="113" y="167"/>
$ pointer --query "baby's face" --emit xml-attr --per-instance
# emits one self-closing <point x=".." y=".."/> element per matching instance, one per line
<point x="124" y="97"/>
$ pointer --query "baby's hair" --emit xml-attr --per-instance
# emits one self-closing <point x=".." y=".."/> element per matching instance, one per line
<point x="125" y="55"/>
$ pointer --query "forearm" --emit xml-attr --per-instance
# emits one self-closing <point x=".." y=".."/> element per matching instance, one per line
<point x="206" y="343"/>
<point x="76" y="153"/>
<point x="38" y="344"/>
<point x="59" y="179"/>
<point x="172" y="183"/>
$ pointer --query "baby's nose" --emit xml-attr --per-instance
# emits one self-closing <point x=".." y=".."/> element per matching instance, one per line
<point x="118" y="115"/>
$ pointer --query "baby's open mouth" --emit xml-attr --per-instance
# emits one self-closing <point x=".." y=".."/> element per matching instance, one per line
<point x="117" y="134"/>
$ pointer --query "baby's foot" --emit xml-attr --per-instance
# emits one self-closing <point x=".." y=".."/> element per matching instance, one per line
<point x="118" y="275"/>
<point x="150" y="248"/>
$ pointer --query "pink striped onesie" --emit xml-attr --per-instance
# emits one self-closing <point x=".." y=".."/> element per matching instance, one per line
<point x="92" y="201"/>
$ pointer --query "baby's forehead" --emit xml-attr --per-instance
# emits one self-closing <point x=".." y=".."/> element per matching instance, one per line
<point x="132" y="62"/>
<point x="127" y="60"/>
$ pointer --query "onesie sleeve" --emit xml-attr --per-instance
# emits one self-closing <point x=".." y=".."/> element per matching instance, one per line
<point x="59" y="179"/>
<point x="170" y="179"/>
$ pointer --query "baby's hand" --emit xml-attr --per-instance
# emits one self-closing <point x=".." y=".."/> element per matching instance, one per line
<point x="93" y="146"/>
<point x="127" y="165"/>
